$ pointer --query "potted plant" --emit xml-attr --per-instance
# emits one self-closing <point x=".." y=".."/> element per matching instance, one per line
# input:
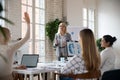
<point x="52" y="28"/>
<point x="98" y="42"/>
<point x="1" y="28"/>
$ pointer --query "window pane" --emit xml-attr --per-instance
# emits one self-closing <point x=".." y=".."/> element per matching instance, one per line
<point x="91" y="15"/>
<point x="40" y="47"/>
<point x="26" y="48"/>
<point x="24" y="1"/>
<point x="40" y="3"/>
<point x="40" y="16"/>
<point x="29" y="2"/>
<point x="85" y="23"/>
<point x="84" y="13"/>
<point x="30" y="47"/>
<point x="91" y="25"/>
<point x="40" y="32"/>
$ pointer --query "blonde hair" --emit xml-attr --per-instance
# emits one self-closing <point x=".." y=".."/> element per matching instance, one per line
<point x="90" y="52"/>
<point x="5" y="33"/>
<point x="62" y="24"/>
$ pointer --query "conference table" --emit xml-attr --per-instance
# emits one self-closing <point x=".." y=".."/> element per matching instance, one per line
<point x="41" y="68"/>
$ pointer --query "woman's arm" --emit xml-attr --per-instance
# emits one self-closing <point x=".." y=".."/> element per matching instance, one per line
<point x="27" y="35"/>
<point x="69" y="38"/>
<point x="55" y="42"/>
<point x="72" y="65"/>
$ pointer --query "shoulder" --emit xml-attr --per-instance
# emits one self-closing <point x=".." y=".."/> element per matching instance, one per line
<point x="57" y="34"/>
<point x="107" y="52"/>
<point x="67" y="33"/>
<point x="104" y="52"/>
<point x="77" y="57"/>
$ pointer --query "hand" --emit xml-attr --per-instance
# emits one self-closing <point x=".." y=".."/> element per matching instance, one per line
<point x="21" y="67"/>
<point x="64" y="44"/>
<point x="26" y="17"/>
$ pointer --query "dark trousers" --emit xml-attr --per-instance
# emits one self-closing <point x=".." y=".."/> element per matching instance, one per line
<point x="66" y="78"/>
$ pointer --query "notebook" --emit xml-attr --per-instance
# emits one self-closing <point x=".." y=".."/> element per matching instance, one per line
<point x="30" y="60"/>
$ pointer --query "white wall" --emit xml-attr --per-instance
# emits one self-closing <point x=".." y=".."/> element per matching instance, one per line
<point x="109" y="22"/>
<point x="74" y="12"/>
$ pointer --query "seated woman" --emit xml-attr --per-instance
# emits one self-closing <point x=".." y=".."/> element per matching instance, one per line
<point x="108" y="54"/>
<point x="87" y="60"/>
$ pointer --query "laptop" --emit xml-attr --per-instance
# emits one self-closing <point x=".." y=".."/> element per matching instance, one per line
<point x="30" y="60"/>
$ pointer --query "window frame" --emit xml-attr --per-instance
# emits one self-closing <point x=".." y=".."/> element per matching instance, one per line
<point x="89" y="20"/>
<point x="33" y="39"/>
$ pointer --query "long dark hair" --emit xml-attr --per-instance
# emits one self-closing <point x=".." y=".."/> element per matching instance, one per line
<point x="110" y="39"/>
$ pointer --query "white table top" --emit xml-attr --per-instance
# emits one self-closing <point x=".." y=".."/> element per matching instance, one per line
<point x="41" y="68"/>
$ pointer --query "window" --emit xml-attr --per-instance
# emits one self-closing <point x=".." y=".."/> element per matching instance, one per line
<point x="89" y="18"/>
<point x="36" y="10"/>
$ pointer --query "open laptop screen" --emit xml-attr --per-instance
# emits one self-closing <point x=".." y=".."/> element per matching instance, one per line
<point x="30" y="60"/>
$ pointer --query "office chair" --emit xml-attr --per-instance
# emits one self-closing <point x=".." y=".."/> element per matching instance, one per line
<point x="111" y="75"/>
<point x="89" y="75"/>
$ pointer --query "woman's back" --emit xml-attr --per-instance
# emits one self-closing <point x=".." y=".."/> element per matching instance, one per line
<point x="107" y="59"/>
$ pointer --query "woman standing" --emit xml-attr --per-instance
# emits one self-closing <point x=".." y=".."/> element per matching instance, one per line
<point x="60" y="41"/>
<point x="108" y="54"/>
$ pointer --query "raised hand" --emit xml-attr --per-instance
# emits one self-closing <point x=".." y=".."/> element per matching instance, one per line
<point x="26" y="17"/>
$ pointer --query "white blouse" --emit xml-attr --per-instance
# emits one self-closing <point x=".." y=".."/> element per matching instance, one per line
<point x="107" y="59"/>
<point x="7" y="52"/>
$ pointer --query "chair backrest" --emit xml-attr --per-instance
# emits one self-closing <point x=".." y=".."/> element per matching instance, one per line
<point x="111" y="75"/>
<point x="88" y="75"/>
